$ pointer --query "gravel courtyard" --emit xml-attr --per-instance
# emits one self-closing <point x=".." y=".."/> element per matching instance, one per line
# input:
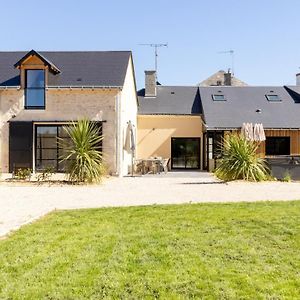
<point x="20" y="204"/>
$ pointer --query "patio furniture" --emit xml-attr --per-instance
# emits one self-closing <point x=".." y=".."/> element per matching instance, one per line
<point x="151" y="165"/>
<point x="165" y="165"/>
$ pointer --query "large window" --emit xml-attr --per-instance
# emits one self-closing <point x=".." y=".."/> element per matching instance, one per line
<point x="48" y="150"/>
<point x="35" y="89"/>
<point x="185" y="153"/>
<point x="278" y="145"/>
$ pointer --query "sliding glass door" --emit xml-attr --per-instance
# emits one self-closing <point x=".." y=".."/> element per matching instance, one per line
<point x="47" y="148"/>
<point x="185" y="153"/>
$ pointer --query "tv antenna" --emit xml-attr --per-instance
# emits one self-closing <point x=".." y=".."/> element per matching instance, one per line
<point x="155" y="46"/>
<point x="231" y="52"/>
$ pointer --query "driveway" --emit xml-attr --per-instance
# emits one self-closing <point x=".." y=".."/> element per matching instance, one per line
<point x="23" y="204"/>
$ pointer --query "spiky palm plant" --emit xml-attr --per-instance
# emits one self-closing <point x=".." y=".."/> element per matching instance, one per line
<point x="81" y="153"/>
<point x="240" y="160"/>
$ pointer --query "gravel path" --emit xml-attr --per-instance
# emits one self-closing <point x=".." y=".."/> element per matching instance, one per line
<point x="23" y="204"/>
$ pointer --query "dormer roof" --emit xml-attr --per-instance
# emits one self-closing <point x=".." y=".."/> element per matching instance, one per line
<point x="52" y="67"/>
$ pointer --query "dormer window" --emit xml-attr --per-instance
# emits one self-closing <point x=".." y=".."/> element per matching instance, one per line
<point x="218" y="97"/>
<point x="273" y="98"/>
<point x="34" y="89"/>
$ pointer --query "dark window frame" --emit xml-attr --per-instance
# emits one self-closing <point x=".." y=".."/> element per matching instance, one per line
<point x="26" y="106"/>
<point x="57" y="148"/>
<point x="270" y="140"/>
<point x="198" y="140"/>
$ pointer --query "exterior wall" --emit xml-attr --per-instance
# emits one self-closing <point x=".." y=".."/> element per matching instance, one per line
<point x="155" y="133"/>
<point x="294" y="139"/>
<point x="128" y="112"/>
<point x="62" y="105"/>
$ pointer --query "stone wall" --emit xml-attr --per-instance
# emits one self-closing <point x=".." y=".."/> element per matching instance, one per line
<point x="62" y="105"/>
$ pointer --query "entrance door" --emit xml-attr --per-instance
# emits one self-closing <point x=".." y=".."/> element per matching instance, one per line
<point x="20" y="145"/>
<point x="185" y="153"/>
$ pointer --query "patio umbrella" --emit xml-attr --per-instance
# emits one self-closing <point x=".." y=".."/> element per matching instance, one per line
<point x="247" y="131"/>
<point x="262" y="135"/>
<point x="129" y="139"/>
<point x="130" y="143"/>
<point x="256" y="132"/>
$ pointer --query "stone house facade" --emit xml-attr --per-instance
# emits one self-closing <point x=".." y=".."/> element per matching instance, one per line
<point x="42" y="91"/>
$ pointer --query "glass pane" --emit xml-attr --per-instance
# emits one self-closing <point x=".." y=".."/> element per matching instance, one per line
<point x="35" y="97"/>
<point x="63" y="166"/>
<point x="185" y="153"/>
<point x="273" y="98"/>
<point x="49" y="131"/>
<point x="35" y="78"/>
<point x="43" y="164"/>
<point x="219" y="97"/>
<point x="62" y="132"/>
<point x="278" y="146"/>
<point x="46" y="142"/>
<point x="46" y="154"/>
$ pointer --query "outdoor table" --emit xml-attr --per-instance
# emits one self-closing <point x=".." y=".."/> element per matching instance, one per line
<point x="153" y="161"/>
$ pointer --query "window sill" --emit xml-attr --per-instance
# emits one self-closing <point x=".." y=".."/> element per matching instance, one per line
<point x="34" y="107"/>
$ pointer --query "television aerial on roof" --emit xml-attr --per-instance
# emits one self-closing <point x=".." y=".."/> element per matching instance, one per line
<point x="231" y="52"/>
<point x="155" y="46"/>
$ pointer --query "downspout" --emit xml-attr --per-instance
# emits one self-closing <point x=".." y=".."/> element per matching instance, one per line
<point x="118" y="136"/>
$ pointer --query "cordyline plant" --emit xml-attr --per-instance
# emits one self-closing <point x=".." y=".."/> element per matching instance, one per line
<point x="240" y="160"/>
<point x="81" y="154"/>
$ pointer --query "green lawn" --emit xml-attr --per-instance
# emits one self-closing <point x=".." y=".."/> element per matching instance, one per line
<point x="210" y="251"/>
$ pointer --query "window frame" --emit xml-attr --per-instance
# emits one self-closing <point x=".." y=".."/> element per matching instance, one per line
<point x="268" y="138"/>
<point x="58" y="147"/>
<point x="39" y="107"/>
<point x="218" y="100"/>
<point x="271" y="95"/>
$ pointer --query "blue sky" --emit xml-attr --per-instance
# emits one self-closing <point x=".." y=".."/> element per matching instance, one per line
<point x="264" y="34"/>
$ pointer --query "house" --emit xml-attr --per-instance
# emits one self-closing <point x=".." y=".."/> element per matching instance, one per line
<point x="42" y="91"/>
<point x="222" y="78"/>
<point x="187" y="123"/>
<point x="170" y="123"/>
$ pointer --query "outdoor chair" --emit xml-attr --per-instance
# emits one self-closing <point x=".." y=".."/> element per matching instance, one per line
<point x="165" y="165"/>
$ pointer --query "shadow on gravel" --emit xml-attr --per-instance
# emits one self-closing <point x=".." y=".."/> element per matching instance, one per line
<point x="215" y="182"/>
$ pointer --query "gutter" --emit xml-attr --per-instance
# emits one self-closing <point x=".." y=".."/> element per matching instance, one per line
<point x="10" y="87"/>
<point x="83" y="87"/>
<point x="68" y="87"/>
<point x="118" y="134"/>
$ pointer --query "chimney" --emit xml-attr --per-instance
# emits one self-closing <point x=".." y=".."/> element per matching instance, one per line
<point x="298" y="79"/>
<point x="150" y="83"/>
<point x="227" y="78"/>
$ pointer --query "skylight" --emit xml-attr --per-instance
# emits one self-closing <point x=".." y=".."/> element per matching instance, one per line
<point x="218" y="97"/>
<point x="273" y="97"/>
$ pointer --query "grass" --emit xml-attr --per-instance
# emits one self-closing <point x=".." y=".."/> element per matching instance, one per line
<point x="210" y="251"/>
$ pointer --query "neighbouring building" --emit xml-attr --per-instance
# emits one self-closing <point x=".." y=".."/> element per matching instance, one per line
<point x="42" y="91"/>
<point x="187" y="123"/>
<point x="222" y="78"/>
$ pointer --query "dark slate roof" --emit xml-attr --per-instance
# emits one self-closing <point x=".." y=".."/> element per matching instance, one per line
<point x="78" y="68"/>
<point x="242" y="103"/>
<point x="171" y="100"/>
